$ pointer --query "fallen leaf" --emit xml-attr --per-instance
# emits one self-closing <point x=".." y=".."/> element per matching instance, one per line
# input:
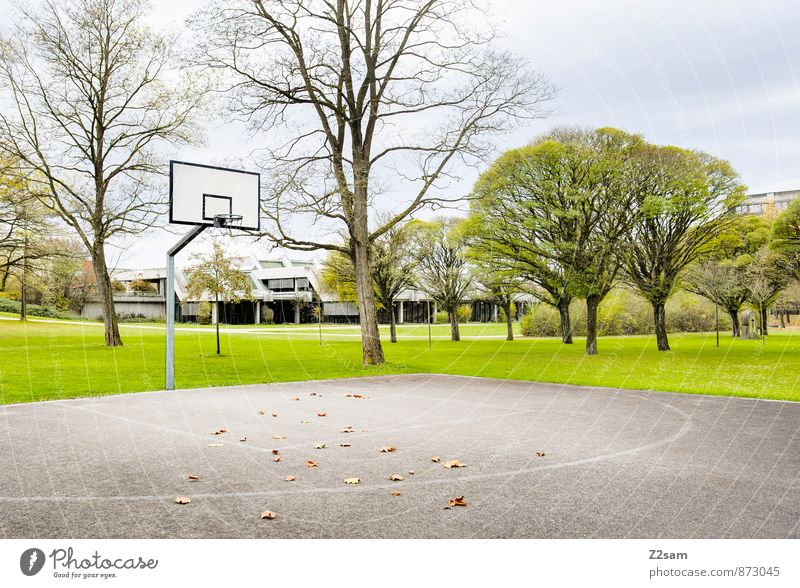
<point x="359" y="396"/>
<point x="322" y="414"/>
<point x="411" y="472"/>
<point x="305" y="422"/>
<point x="347" y="429"/>
<point x="276" y="452"/>
<point x="454" y="463"/>
<point x="274" y="414"/>
<point x="243" y="439"/>
<point x="319" y="446"/>
<point x="279" y="436"/>
<point x="219" y="432"/>
<point x="215" y="444"/>
<point x="193" y="477"/>
<point x="313" y="394"/>
<point x="387" y="449"/>
<point x="311" y="464"/>
<point x="540" y="453"/>
<point x="395" y="494"/>
<point x="183" y="500"/>
<point x="276" y="459"/>
<point x="396" y="478"/>
<point x="268" y="514"/>
<point x="352" y="480"/>
<point x="295" y="398"/>
<point x="289" y="479"/>
<point x="260" y="412"/>
<point x="435" y="459"/>
<point x="458" y="501"/>
<point x="344" y="445"/>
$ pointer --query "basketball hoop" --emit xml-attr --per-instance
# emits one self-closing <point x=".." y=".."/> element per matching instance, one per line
<point x="227" y="221"/>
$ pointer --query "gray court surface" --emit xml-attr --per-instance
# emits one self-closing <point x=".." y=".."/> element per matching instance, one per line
<point x="617" y="463"/>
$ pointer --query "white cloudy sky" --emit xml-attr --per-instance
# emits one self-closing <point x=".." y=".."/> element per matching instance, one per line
<point x="720" y="75"/>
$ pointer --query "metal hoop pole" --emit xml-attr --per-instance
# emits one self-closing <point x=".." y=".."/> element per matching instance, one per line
<point x="170" y="302"/>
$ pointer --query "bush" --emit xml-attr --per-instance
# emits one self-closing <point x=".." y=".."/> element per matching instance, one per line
<point x="13" y="306"/>
<point x="142" y="287"/>
<point x="501" y="315"/>
<point x="204" y="313"/>
<point x="117" y="286"/>
<point x="441" y="317"/>
<point x="623" y="312"/>
<point x="138" y="317"/>
<point x="464" y="313"/>
<point x="267" y="315"/>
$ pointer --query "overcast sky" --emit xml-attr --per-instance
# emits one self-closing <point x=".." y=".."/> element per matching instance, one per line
<point x="710" y="74"/>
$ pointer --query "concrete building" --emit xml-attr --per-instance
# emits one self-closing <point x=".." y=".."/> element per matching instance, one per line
<point x="288" y="289"/>
<point x="765" y="202"/>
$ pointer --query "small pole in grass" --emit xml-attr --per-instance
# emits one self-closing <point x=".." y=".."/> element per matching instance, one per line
<point x="428" y="303"/>
<point x="319" y="320"/>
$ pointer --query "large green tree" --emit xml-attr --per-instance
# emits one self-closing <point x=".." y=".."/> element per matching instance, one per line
<point x="683" y="201"/>
<point x="786" y="236"/>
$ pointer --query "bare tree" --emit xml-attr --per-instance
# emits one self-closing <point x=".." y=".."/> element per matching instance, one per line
<point x="371" y="91"/>
<point x="443" y="271"/>
<point x="91" y="106"/>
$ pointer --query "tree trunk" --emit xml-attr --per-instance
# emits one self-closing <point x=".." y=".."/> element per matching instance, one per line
<point x="734" y="322"/>
<point x="781" y="314"/>
<point x="660" y="320"/>
<point x="455" y="335"/>
<point x="106" y="294"/>
<point x="566" y="326"/>
<point x="216" y="303"/>
<point x="392" y="324"/>
<point x="371" y="349"/>
<point x="764" y="319"/>
<point x="509" y="322"/>
<point x="592" y="302"/>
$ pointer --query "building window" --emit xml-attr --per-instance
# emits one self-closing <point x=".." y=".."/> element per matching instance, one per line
<point x="302" y="284"/>
<point x="281" y="285"/>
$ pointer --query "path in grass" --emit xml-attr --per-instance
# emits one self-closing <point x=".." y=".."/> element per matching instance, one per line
<point x="41" y="361"/>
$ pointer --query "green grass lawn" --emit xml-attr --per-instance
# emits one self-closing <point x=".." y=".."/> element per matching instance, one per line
<point x="41" y="361"/>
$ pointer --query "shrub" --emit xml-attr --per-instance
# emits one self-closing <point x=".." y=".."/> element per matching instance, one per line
<point x="464" y="313"/>
<point x="117" y="286"/>
<point x="142" y="287"/>
<point x="441" y="317"/>
<point x="204" y="313"/>
<point x="13" y="306"/>
<point x="267" y="315"/>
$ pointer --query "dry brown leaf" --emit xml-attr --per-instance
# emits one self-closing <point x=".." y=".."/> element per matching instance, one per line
<point x="260" y="412"/>
<point x="313" y="394"/>
<point x="279" y="436"/>
<point x="193" y="477"/>
<point x="276" y="452"/>
<point x="289" y="478"/>
<point x="435" y="459"/>
<point x="311" y="464"/>
<point x="387" y="449"/>
<point x="219" y="432"/>
<point x="352" y="480"/>
<point x="322" y="414"/>
<point x="295" y="398"/>
<point x="355" y="396"/>
<point x="215" y="444"/>
<point x="458" y="501"/>
<point x="396" y="478"/>
<point x="395" y="494"/>
<point x="183" y="500"/>
<point x="540" y="453"/>
<point x="454" y="463"/>
<point x="274" y="414"/>
<point x="347" y="429"/>
<point x="268" y="514"/>
<point x="243" y="439"/>
<point x="344" y="445"/>
<point x="305" y="422"/>
<point x="276" y="459"/>
<point x="411" y="472"/>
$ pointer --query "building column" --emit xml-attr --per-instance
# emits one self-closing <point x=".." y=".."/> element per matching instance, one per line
<point x="258" y="312"/>
<point x="400" y="317"/>
<point x="494" y="312"/>
<point x="214" y="312"/>
<point x="297" y="314"/>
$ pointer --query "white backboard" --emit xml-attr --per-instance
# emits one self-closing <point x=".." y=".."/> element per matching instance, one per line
<point x="199" y="192"/>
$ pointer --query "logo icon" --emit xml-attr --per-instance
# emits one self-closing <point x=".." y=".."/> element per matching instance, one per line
<point x="31" y="561"/>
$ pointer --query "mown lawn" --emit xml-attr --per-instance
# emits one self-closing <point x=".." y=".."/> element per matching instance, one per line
<point x="41" y="361"/>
